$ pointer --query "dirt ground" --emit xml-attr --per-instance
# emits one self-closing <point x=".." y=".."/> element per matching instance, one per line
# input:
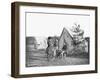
<point x="39" y="58"/>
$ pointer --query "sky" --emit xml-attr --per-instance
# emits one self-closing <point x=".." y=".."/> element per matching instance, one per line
<point x="46" y="24"/>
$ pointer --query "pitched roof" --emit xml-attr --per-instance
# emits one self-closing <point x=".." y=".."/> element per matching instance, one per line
<point x="65" y="30"/>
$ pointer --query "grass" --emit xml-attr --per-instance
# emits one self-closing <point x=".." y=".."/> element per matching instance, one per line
<point x="39" y="58"/>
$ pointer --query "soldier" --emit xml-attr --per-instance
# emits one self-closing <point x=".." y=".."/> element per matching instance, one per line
<point x="61" y="46"/>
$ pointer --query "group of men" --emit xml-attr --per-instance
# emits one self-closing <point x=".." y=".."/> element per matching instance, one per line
<point x="60" y="46"/>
